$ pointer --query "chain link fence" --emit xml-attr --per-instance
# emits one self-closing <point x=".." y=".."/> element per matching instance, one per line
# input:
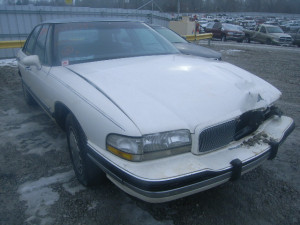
<point x="16" y="22"/>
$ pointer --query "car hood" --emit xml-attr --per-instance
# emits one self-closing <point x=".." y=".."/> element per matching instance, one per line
<point x="168" y="92"/>
<point x="197" y="50"/>
<point x="235" y="31"/>
<point x="279" y="35"/>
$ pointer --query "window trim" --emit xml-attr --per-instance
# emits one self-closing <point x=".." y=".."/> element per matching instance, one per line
<point x="43" y="47"/>
<point x="29" y="37"/>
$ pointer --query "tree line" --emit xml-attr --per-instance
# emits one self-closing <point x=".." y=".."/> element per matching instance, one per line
<point x="188" y="6"/>
<point x="203" y="6"/>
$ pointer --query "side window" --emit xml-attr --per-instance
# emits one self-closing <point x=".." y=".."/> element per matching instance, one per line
<point x="217" y="26"/>
<point x="29" y="46"/>
<point x="263" y="30"/>
<point x="40" y="43"/>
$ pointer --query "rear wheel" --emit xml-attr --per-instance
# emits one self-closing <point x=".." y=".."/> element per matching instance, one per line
<point x="85" y="169"/>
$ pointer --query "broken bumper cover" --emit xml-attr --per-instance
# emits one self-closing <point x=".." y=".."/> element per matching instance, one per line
<point x="167" y="189"/>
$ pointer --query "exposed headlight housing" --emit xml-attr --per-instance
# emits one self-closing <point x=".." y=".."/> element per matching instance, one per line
<point x="149" y="146"/>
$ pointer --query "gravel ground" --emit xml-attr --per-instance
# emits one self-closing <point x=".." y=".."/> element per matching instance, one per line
<point x="38" y="186"/>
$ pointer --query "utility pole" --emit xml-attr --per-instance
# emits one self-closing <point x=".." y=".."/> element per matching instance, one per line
<point x="153" y="3"/>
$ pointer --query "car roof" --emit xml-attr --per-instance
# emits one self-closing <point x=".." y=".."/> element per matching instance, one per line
<point x="90" y="19"/>
<point x="268" y="25"/>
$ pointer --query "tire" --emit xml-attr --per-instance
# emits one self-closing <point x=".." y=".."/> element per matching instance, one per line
<point x="85" y="169"/>
<point x="248" y="39"/>
<point x="268" y="42"/>
<point x="27" y="96"/>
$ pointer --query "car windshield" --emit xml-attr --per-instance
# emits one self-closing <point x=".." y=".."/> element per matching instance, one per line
<point x="170" y="35"/>
<point x="231" y="27"/>
<point x="94" y="41"/>
<point x="274" y="30"/>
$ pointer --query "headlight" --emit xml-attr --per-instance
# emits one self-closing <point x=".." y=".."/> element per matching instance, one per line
<point x="149" y="146"/>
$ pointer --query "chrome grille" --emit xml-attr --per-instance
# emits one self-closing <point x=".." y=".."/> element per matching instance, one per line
<point x="285" y="39"/>
<point x="217" y="136"/>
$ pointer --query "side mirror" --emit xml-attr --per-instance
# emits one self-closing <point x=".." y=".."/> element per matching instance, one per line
<point x="32" y="60"/>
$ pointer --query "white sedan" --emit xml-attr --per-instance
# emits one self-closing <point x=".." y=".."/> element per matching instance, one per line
<point x="160" y="125"/>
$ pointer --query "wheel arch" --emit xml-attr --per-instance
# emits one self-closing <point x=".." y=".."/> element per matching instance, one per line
<point x="60" y="114"/>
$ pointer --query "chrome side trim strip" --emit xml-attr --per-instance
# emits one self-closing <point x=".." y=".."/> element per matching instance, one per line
<point x="87" y="101"/>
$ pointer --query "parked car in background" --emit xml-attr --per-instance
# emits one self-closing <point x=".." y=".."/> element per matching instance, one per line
<point x="159" y="124"/>
<point x="248" y="24"/>
<point x="225" y="31"/>
<point x="268" y="34"/>
<point x="296" y="37"/>
<point x="284" y="25"/>
<point x="293" y="26"/>
<point x="274" y="23"/>
<point x="184" y="46"/>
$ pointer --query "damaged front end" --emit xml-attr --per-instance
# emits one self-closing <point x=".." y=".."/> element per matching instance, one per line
<point x="222" y="134"/>
<point x="224" y="153"/>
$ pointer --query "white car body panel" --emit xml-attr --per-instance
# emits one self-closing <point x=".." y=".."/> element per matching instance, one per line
<point x="143" y="95"/>
<point x="163" y="93"/>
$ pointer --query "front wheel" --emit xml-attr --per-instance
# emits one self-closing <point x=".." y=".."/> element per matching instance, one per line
<point x="247" y="39"/>
<point x="86" y="171"/>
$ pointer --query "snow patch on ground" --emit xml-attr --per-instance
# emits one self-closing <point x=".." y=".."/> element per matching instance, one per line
<point x="39" y="197"/>
<point x="8" y="62"/>
<point x="232" y="51"/>
<point x="73" y="188"/>
<point x="93" y="205"/>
